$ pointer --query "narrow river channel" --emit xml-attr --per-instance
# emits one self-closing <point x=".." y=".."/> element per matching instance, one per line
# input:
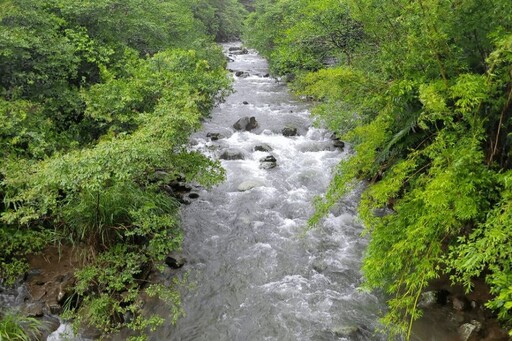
<point x="252" y="274"/>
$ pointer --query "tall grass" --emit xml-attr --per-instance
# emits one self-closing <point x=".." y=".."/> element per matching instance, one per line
<point x="16" y="327"/>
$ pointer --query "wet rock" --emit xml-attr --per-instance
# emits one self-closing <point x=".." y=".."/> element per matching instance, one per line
<point x="248" y="185"/>
<point x="175" y="261"/>
<point x="469" y="330"/>
<point x="184" y="201"/>
<point x="238" y="50"/>
<point x="215" y="136"/>
<point x="245" y="103"/>
<point x="289" y="131"/>
<point x="269" y="158"/>
<point x="180" y="186"/>
<point x="242" y="74"/>
<point x="35" y="309"/>
<point x="427" y="299"/>
<point x="263" y="148"/>
<point x="51" y="324"/>
<point x="23" y="295"/>
<point x="193" y="195"/>
<point x="246" y="124"/>
<point x="268" y="162"/>
<point x="229" y="60"/>
<point x="337" y="143"/>
<point x="55" y="308"/>
<point x="232" y="154"/>
<point x="266" y="75"/>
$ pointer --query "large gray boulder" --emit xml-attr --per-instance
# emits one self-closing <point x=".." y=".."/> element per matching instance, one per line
<point x="263" y="148"/>
<point x="246" y="124"/>
<point x="232" y="154"/>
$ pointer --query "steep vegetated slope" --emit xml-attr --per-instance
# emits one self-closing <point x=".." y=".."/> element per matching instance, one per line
<point x="423" y="92"/>
<point x="97" y="101"/>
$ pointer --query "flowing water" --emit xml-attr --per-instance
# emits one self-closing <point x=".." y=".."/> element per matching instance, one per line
<point x="253" y="274"/>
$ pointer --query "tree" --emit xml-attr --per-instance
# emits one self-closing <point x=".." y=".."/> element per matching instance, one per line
<point x="425" y="101"/>
<point x="96" y="98"/>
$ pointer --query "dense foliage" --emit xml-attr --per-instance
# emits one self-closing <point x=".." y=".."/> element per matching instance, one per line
<point x="97" y="101"/>
<point x="423" y="91"/>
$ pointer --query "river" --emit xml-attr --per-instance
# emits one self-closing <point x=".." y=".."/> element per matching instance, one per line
<point x="253" y="274"/>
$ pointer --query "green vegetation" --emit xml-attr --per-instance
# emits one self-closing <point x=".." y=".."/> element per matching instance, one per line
<point x="96" y="98"/>
<point x="16" y="327"/>
<point x="423" y="92"/>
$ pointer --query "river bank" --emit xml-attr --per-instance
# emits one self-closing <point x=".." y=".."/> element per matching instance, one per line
<point x="251" y="271"/>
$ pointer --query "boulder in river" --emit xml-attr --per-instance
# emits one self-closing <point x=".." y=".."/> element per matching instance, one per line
<point x="289" y="131"/>
<point x="193" y="195"/>
<point x="242" y="74"/>
<point x="337" y="142"/>
<point x="246" y="124"/>
<point x="175" y="261"/>
<point x="248" y="185"/>
<point x="238" y="50"/>
<point x="263" y="148"/>
<point x="268" y="162"/>
<point x="232" y="154"/>
<point x="215" y="136"/>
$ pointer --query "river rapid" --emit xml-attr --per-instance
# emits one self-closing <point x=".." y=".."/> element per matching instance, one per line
<point x="252" y="272"/>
